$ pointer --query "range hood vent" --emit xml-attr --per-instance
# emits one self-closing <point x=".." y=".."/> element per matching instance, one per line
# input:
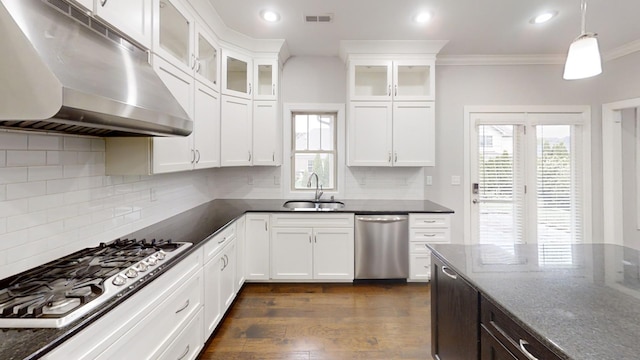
<point x="72" y="74"/>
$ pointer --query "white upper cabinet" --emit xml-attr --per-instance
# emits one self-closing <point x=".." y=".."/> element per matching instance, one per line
<point x="398" y="80"/>
<point x="237" y="74"/>
<point x="265" y="79"/>
<point x="173" y="34"/>
<point x="236" y="134"/>
<point x="207" y="52"/>
<point x="413" y="134"/>
<point x="132" y="17"/>
<point x="86" y="4"/>
<point x="266" y="134"/>
<point x="206" y="132"/>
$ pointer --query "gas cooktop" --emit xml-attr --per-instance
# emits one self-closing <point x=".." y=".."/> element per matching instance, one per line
<point x="57" y="293"/>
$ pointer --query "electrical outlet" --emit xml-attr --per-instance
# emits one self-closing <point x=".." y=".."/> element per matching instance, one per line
<point x="455" y="180"/>
<point x="429" y="180"/>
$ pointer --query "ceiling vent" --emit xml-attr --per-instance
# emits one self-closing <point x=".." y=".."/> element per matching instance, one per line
<point x="323" y="18"/>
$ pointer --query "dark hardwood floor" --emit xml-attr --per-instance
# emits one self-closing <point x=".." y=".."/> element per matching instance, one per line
<point x="325" y="321"/>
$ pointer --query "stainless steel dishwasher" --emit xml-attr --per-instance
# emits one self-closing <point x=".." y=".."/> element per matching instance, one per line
<point x="382" y="247"/>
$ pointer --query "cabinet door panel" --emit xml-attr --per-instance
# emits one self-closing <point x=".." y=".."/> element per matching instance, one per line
<point x="257" y="239"/>
<point x="237" y="72"/>
<point x="266" y="133"/>
<point x="333" y="253"/>
<point x="212" y="301"/>
<point x="420" y="266"/>
<point x="291" y="253"/>
<point x="370" y="80"/>
<point x="265" y="79"/>
<point x="235" y="135"/>
<point x="228" y="276"/>
<point x="173" y="33"/>
<point x="240" y="252"/>
<point x="207" y="69"/>
<point x="413" y="134"/>
<point x="207" y="127"/>
<point x="414" y="80"/>
<point x="132" y="17"/>
<point x="174" y="153"/>
<point x="454" y="314"/>
<point x="370" y="134"/>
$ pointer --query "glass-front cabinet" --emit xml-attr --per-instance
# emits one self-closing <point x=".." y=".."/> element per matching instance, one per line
<point x="398" y="80"/>
<point x="265" y="79"/>
<point x="207" y="68"/>
<point x="237" y="74"/>
<point x="173" y="34"/>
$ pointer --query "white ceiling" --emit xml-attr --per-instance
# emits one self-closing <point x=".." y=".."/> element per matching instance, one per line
<point x="473" y="27"/>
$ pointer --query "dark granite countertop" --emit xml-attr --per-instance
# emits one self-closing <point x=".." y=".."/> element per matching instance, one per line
<point x="581" y="301"/>
<point x="196" y="226"/>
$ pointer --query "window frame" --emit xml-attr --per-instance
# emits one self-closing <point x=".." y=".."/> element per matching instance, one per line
<point x="286" y="173"/>
<point x="334" y="152"/>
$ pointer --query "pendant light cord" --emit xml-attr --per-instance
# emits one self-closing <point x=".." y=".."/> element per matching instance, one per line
<point x="583" y="10"/>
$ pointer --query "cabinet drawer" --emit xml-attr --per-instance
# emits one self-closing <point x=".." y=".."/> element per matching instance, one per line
<point x="419" y="248"/>
<point x="435" y="235"/>
<point x="188" y="343"/>
<point x="491" y="348"/>
<point x="215" y="244"/>
<point x="420" y="267"/>
<point x="312" y="220"/>
<point x="516" y="339"/>
<point x="429" y="220"/>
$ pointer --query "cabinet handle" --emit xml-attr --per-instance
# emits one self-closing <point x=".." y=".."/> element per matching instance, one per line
<point x="273" y="156"/>
<point x="198" y="66"/>
<point x="198" y="153"/>
<point x="193" y="61"/>
<point x="429" y="221"/>
<point x="249" y="88"/>
<point x="265" y="226"/>
<point x="396" y="158"/>
<point x="429" y="235"/>
<point x="309" y="239"/>
<point x="524" y="350"/>
<point x="395" y="93"/>
<point x="103" y="2"/>
<point x="451" y="275"/>
<point x="193" y="156"/>
<point x="223" y="240"/>
<point x="389" y="157"/>
<point x="186" y="305"/>
<point x="186" y="351"/>
<point x="389" y="90"/>
<point x="315" y="239"/>
<point x="249" y="155"/>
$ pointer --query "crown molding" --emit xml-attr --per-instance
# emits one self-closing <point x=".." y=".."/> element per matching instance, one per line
<point x="621" y="51"/>
<point x="500" y="59"/>
<point x="380" y="47"/>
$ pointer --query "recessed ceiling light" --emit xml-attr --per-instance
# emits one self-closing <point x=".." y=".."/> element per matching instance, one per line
<point x="270" y="16"/>
<point x="422" y="18"/>
<point x="544" y="17"/>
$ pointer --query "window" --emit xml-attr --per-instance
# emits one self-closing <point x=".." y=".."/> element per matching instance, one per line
<point x="313" y="149"/>
<point x="486" y="141"/>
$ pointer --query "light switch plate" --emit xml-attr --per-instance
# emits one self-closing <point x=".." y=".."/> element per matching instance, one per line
<point x="429" y="180"/>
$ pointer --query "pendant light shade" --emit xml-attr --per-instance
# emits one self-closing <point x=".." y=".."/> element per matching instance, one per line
<point x="583" y="59"/>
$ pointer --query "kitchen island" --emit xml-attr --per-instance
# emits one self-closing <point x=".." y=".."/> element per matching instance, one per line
<point x="577" y="301"/>
<point x="196" y="226"/>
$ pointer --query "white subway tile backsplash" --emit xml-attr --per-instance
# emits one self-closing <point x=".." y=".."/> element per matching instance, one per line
<point x="93" y="157"/>
<point x="62" y="212"/>
<point x="3" y="192"/>
<point x="3" y="158"/>
<point x="97" y="145"/>
<point x="26" y="158"/>
<point x="44" y="142"/>
<point x="24" y="221"/>
<point x="13" y="239"/>
<point x="11" y="140"/>
<point x="25" y="190"/>
<point x="45" y="230"/>
<point x="61" y="186"/>
<point x="77" y="143"/>
<point x="3" y="225"/>
<point x="36" y="173"/>
<point x="13" y="175"/>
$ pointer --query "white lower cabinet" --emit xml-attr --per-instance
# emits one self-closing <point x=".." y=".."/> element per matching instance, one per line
<point x="219" y="277"/>
<point x="425" y="229"/>
<point x="189" y="342"/>
<point x="257" y="239"/>
<point x="240" y="252"/>
<point x="322" y="250"/>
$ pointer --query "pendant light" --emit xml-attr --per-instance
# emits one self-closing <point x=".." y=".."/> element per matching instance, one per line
<point x="583" y="60"/>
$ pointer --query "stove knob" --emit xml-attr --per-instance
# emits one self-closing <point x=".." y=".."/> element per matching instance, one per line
<point x="119" y="280"/>
<point x="151" y="260"/>
<point x="160" y="255"/>
<point x="131" y="273"/>
<point x="140" y="267"/>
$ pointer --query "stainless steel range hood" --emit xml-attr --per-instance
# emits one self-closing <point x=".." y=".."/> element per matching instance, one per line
<point x="61" y="71"/>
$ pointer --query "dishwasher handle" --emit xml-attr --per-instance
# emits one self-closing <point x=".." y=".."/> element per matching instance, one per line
<point x="381" y="219"/>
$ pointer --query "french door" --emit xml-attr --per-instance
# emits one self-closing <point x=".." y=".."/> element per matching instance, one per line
<point x="527" y="180"/>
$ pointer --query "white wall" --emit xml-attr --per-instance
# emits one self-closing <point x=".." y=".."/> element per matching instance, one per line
<point x="55" y="198"/>
<point x="629" y="180"/>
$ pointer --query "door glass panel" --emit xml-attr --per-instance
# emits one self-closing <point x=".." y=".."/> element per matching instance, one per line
<point x="208" y="60"/>
<point x="370" y="80"/>
<point x="413" y="80"/>
<point x="236" y="75"/>
<point x="174" y="32"/>
<point x="500" y="185"/>
<point x="265" y="80"/>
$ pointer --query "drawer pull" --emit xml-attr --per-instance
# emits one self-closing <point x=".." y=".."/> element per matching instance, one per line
<point x="429" y="235"/>
<point x="186" y="305"/>
<point x="186" y="351"/>
<point x="524" y="350"/>
<point x="451" y="275"/>
<point x="223" y="240"/>
<point x="429" y="221"/>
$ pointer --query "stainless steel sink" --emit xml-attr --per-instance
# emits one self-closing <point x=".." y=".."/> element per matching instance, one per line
<point x="304" y="205"/>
